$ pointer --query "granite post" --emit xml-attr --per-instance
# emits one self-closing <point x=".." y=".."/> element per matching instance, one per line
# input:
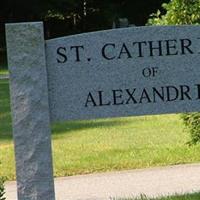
<point x="30" y="110"/>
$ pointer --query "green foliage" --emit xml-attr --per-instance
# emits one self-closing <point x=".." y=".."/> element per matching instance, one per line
<point x="192" y="121"/>
<point x="2" y="188"/>
<point x="178" y="12"/>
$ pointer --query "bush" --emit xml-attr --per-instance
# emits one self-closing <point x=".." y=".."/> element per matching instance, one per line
<point x="2" y="188"/>
<point x="192" y="121"/>
<point x="180" y="12"/>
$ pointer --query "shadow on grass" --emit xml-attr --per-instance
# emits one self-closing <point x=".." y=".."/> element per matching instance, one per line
<point x="57" y="128"/>
<point x="67" y="127"/>
<point x="5" y="114"/>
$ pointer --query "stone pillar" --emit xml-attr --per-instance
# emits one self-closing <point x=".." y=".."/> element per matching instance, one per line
<point x="30" y="110"/>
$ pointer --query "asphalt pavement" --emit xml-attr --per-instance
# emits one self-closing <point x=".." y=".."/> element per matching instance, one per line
<point x="152" y="182"/>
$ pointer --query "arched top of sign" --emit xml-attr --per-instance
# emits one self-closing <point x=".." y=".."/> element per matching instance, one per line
<point x="125" y="31"/>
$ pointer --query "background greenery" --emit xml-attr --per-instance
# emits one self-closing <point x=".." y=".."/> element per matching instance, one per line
<point x="178" y="12"/>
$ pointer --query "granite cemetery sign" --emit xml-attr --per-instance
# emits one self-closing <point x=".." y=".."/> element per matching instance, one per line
<point x="121" y="72"/>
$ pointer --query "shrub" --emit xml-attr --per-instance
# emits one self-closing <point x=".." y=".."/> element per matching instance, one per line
<point x="179" y="12"/>
<point x="192" y="121"/>
<point x="2" y="188"/>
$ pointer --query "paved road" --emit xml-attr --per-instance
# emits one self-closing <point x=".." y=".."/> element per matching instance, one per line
<point x="103" y="186"/>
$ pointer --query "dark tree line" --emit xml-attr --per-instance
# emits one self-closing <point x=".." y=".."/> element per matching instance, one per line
<point x="63" y="17"/>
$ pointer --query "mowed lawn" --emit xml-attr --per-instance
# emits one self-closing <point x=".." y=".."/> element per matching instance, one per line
<point x="82" y="147"/>
<point x="3" y="67"/>
<point x="3" y="71"/>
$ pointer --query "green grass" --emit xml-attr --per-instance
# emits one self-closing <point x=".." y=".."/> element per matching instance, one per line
<point x="82" y="147"/>
<point x="5" y="115"/>
<point x="195" y="196"/>
<point x="3" y="64"/>
<point x="3" y="71"/>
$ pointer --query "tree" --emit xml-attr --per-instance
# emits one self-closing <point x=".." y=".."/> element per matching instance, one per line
<point x="64" y="17"/>
<point x="180" y="12"/>
<point x="138" y="11"/>
<point x="85" y="15"/>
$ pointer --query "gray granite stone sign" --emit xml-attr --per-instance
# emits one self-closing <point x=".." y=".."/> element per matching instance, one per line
<point x="124" y="72"/>
<point x="30" y="111"/>
<point x="114" y="73"/>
